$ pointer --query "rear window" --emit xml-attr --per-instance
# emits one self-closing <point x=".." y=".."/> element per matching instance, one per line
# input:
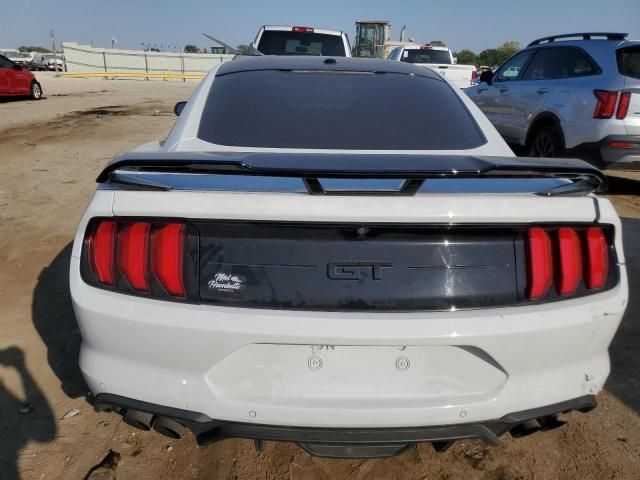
<point x="629" y="61"/>
<point x="274" y="42"/>
<point x="426" y="56"/>
<point x="337" y="110"/>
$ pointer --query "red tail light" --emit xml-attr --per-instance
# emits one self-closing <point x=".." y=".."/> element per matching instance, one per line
<point x="623" y="106"/>
<point x="148" y="256"/>
<point x="302" y="29"/>
<point x="101" y="247"/>
<point x="474" y="75"/>
<point x="597" y="258"/>
<point x="540" y="268"/>
<point x="167" y="255"/>
<point x="577" y="260"/>
<point x="133" y="257"/>
<point x="570" y="261"/>
<point x="606" y="105"/>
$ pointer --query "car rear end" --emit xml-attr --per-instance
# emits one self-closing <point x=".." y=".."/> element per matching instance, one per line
<point x="352" y="301"/>
<point x="302" y="40"/>
<point x="441" y="61"/>
<point x="602" y="115"/>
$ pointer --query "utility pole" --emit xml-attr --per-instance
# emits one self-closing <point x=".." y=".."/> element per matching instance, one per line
<point x="53" y="47"/>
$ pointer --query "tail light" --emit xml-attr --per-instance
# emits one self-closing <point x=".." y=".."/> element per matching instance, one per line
<point x="540" y="264"/>
<point x="474" y="75"/>
<point x="133" y="255"/>
<point x="606" y="104"/>
<point x="139" y="257"/>
<point x="576" y="260"/>
<point x="623" y="106"/>
<point x="302" y="29"/>
<point x="597" y="258"/>
<point x="101" y="246"/>
<point x="569" y="261"/>
<point x="167" y="258"/>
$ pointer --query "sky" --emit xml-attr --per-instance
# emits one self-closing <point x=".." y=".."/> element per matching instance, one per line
<point x="471" y="24"/>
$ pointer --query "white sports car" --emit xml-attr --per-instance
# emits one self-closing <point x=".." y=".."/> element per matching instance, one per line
<point x="344" y="253"/>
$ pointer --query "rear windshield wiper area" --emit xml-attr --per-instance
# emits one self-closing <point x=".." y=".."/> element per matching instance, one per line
<point x="317" y="174"/>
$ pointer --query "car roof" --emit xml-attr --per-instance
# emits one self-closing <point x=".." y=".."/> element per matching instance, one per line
<point x="288" y="28"/>
<point x="419" y="47"/>
<point x="318" y="63"/>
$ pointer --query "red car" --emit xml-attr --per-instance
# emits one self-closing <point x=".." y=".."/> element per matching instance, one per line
<point x="17" y="81"/>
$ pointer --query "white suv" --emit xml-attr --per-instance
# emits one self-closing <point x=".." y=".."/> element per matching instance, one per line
<point x="297" y="40"/>
<point x="574" y="94"/>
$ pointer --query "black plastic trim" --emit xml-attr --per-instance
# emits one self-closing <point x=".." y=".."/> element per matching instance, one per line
<point x="311" y="166"/>
<point x="208" y="430"/>
<point x="195" y="235"/>
<point x="584" y="35"/>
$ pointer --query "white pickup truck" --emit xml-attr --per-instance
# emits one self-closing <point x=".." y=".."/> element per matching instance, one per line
<point x="439" y="59"/>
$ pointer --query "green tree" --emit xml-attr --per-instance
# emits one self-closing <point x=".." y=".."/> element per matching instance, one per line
<point x="191" y="49"/>
<point x="29" y="48"/>
<point x="466" y="57"/>
<point x="494" y="57"/>
<point x="437" y="43"/>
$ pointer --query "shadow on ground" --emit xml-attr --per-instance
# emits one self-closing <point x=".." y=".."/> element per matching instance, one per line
<point x="623" y="186"/>
<point x="56" y="324"/>
<point x="17" y="99"/>
<point x="24" y="417"/>
<point x="624" y="381"/>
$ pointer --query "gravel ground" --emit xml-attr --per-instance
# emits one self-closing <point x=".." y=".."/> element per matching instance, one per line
<point x="50" y="154"/>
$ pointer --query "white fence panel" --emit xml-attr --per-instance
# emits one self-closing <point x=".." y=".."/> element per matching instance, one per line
<point x="83" y="58"/>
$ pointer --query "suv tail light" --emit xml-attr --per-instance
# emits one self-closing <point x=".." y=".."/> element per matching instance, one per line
<point x="606" y="104"/>
<point x="302" y="29"/>
<point x="623" y="106"/>
<point x="575" y="259"/>
<point x="474" y="75"/>
<point x="140" y="257"/>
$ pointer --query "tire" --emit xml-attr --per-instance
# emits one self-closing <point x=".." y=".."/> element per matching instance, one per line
<point x="546" y="142"/>
<point x="36" y="91"/>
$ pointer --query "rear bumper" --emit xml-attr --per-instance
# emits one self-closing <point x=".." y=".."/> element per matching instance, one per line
<point x="620" y="152"/>
<point x="338" y="442"/>
<point x="375" y="370"/>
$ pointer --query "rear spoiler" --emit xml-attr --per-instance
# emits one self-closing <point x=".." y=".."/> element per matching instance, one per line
<point x="311" y="167"/>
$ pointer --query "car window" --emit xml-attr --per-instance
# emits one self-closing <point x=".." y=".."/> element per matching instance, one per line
<point x="395" y="53"/>
<point x="629" y="61"/>
<point x="579" y="64"/>
<point x="513" y="69"/>
<point x="274" y="42"/>
<point x="337" y="110"/>
<point x="5" y="62"/>
<point x="426" y="56"/>
<point x="560" y="62"/>
<point x="547" y="64"/>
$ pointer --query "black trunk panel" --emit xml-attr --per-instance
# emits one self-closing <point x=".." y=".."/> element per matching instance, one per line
<point x="358" y="267"/>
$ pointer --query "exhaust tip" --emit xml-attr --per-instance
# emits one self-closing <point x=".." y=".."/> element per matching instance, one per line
<point x="526" y="428"/>
<point x="138" y="419"/>
<point x="552" y="422"/>
<point x="169" y="427"/>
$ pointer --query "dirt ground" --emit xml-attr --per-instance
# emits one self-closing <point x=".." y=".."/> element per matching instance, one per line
<point x="50" y="154"/>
